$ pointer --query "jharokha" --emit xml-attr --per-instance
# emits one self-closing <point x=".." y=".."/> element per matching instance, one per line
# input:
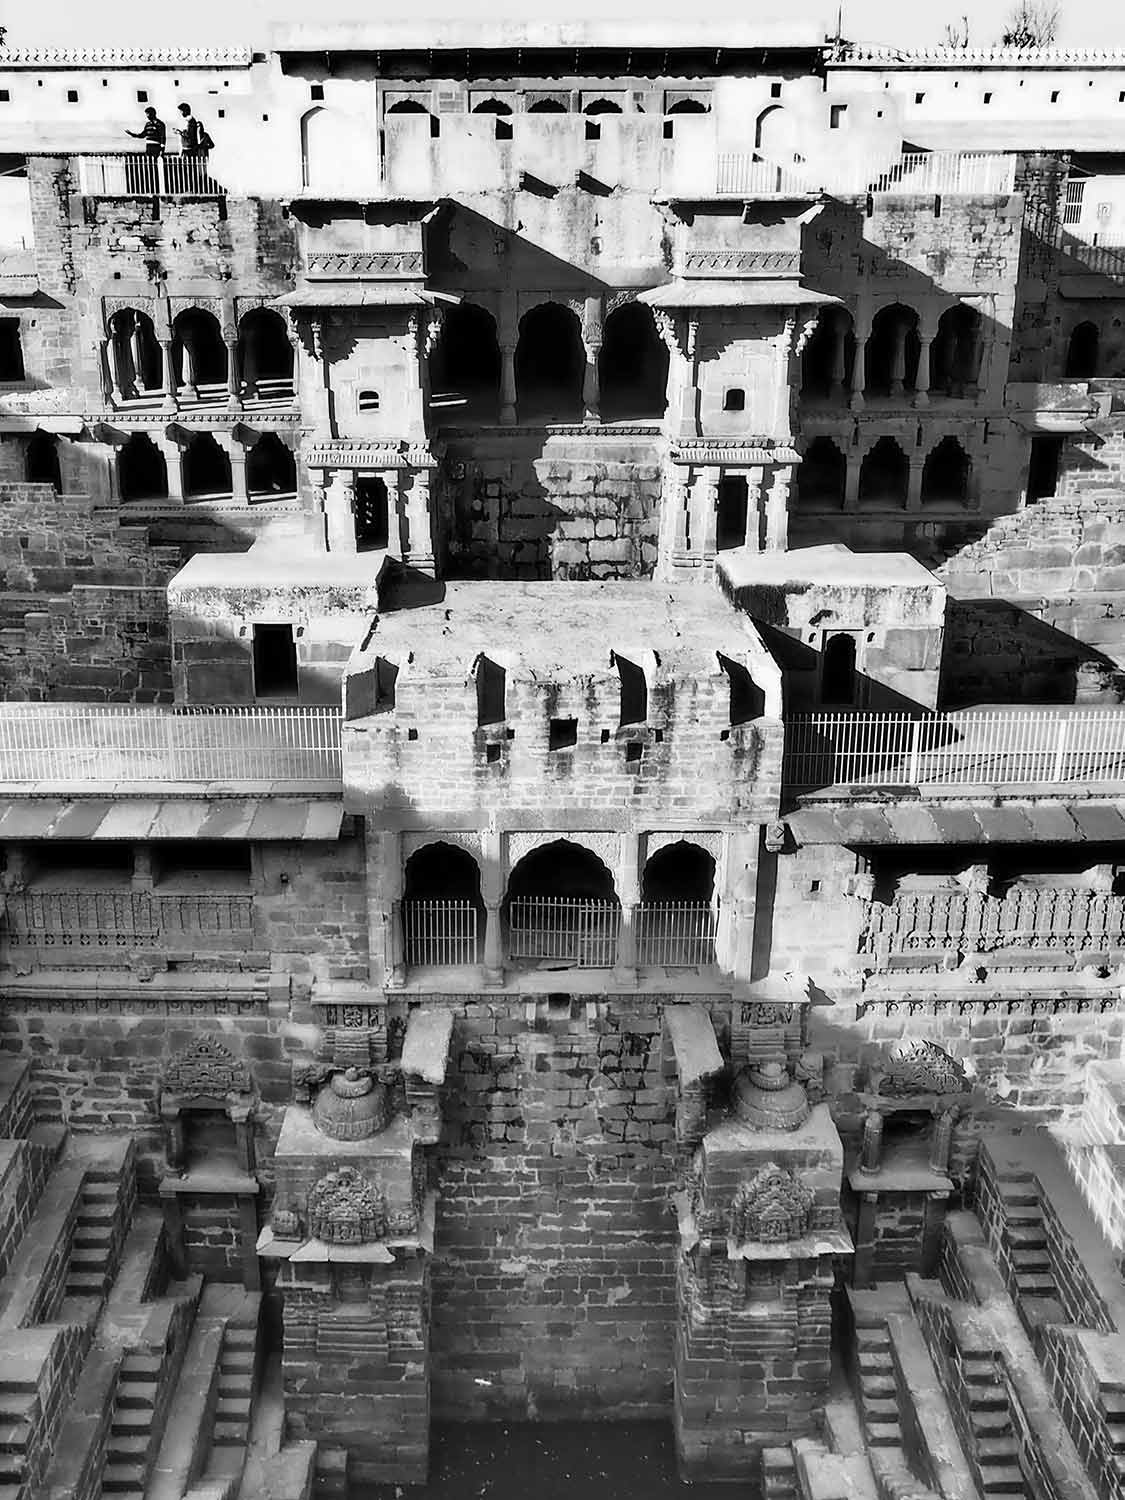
<point x="562" y="760"/>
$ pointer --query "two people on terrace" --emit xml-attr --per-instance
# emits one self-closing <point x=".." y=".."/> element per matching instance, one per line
<point x="194" y="140"/>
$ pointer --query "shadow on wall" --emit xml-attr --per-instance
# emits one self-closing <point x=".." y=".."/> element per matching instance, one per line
<point x="500" y="524"/>
<point x="829" y="681"/>
<point x="996" y="652"/>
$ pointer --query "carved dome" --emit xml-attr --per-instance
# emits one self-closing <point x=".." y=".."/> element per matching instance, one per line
<point x="768" y="1099"/>
<point x="351" y="1107"/>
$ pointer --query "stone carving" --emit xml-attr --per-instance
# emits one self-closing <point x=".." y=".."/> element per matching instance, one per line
<point x="774" y="1206"/>
<point x="467" y="839"/>
<point x="765" y="1097"/>
<point x="351" y="1107"/>
<point x="205" y="1069"/>
<point x="723" y="262"/>
<point x="604" y="845"/>
<point x="344" y="1208"/>
<point x="712" y="841"/>
<point x="921" y="1067"/>
<point x="365" y="263"/>
<point x="341" y="454"/>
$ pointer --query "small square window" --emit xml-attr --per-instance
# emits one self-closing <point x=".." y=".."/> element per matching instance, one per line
<point x="72" y="96"/>
<point x="265" y="119"/>
<point x="988" y="98"/>
<point x="593" y="130"/>
<point x="39" y="83"/>
<point x="222" y="114"/>
<point x="563" y="734"/>
<point x="918" y="98"/>
<point x="775" y="90"/>
<point x="316" y="91"/>
<point x="605" y="736"/>
<point x="367" y="401"/>
<point x="734" y="399"/>
<point x="142" y="96"/>
<point x="5" y="97"/>
<point x="1121" y="98"/>
<point x="411" y="734"/>
<point x="492" y="754"/>
<point x="836" y="115"/>
<point x="633" y="753"/>
<point x="1054" y="96"/>
<point x="669" y="129"/>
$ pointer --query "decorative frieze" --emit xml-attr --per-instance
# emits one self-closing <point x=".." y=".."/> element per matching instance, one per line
<point x="364" y="264"/>
<point x="340" y="454"/>
<point x="724" y="262"/>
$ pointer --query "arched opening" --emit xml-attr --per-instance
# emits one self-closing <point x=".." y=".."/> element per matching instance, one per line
<point x="137" y="360"/>
<point x="687" y="107"/>
<point x="142" y="473"/>
<point x="632" y="365"/>
<point x="945" y="474"/>
<point x="11" y="351"/>
<point x="602" y="107"/>
<point x="547" y="107"/>
<point x="890" y="359"/>
<point x="465" y="366"/>
<point x="199" y="355"/>
<point x="414" y="107"/>
<point x="733" y="515"/>
<point x="838" y="672"/>
<point x="1082" y="352"/>
<point x="955" y="353"/>
<point x="442" y="911"/>
<point x="502" y="127"/>
<point x="823" y="474"/>
<point x="562" y="910"/>
<point x="550" y="365"/>
<point x="372" y="514"/>
<point x="775" y="135"/>
<point x="336" y="150"/>
<point x="41" y="461"/>
<point x="884" y="474"/>
<point x="206" y="467"/>
<point x="265" y="356"/>
<point x="491" y="682"/>
<point x="270" y="467"/>
<point x="828" y="357"/>
<point x="676" y="917"/>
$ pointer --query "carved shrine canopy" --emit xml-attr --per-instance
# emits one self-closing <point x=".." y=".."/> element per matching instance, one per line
<point x="205" y="1069"/>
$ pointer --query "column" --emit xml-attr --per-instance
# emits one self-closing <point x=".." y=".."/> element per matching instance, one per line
<point x="237" y="455"/>
<point x="757" y="507"/>
<point x="492" y="894"/>
<point x="419" y="522"/>
<point x="230" y="339"/>
<point x="592" y="343"/>
<point x="187" y="365"/>
<point x="168" y="375"/>
<point x="173" y="463"/>
<point x="689" y="394"/>
<point x="734" y="938"/>
<point x="508" y="383"/>
<point x="675" y="541"/>
<point x="777" y="510"/>
<point x="922" y="378"/>
<point x="914" y="484"/>
<point x="339" y="511"/>
<point x="628" y="889"/>
<point x="389" y="891"/>
<point x="859" y="364"/>
<point x="249" y="370"/>
<point x="705" y="513"/>
<point x="113" y="374"/>
<point x="851" y="479"/>
<point x="135" y="350"/>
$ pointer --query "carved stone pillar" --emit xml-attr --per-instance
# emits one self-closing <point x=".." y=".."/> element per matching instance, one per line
<point x="168" y="375"/>
<point x="851" y="480"/>
<point x="777" y="509"/>
<point x="705" y="513"/>
<point x="508" y="383"/>
<point x="914" y="484"/>
<point x="922" y="378"/>
<point x="136" y="384"/>
<point x="592" y="344"/>
<point x="173" y="464"/>
<point x="675" y="529"/>
<point x="339" y="511"/>
<point x="628" y="887"/>
<point x="492" y="894"/>
<point x="419" y="522"/>
<point x="898" y="358"/>
<point x="112" y="369"/>
<point x="859" y="364"/>
<point x="237" y="454"/>
<point x="230" y="339"/>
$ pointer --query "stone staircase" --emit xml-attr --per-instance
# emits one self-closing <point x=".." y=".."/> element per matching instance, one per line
<point x="878" y="1399"/>
<point x="19" y="1409"/>
<point x="995" y="1444"/>
<point x="1011" y="1213"/>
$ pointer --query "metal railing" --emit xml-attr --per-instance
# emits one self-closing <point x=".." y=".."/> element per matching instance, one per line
<point x="737" y="172"/>
<point x="90" y="921"/>
<point x="1103" y="257"/>
<point x="921" y="925"/>
<point x="675" y="934"/>
<point x="135" y="174"/>
<point x="98" y="745"/>
<point x="582" y="933"/>
<point x="975" y="748"/>
<point x="953" y="172"/>
<point x="440" y="933"/>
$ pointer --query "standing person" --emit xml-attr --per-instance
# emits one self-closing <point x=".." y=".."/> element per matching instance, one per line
<point x="141" y="172"/>
<point x="196" y="141"/>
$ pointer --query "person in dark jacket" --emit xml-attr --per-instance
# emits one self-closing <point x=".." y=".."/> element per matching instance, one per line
<point x="196" y="141"/>
<point x="152" y="132"/>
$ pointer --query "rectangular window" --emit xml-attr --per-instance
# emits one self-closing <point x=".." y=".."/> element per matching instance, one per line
<point x="5" y="97"/>
<point x="836" y="115"/>
<point x="988" y="98"/>
<point x="275" y="661"/>
<point x="72" y="96"/>
<point x="1054" y="96"/>
<point x="1072" y="205"/>
<point x="918" y="98"/>
<point x="316" y="91"/>
<point x="563" y="734"/>
<point x="142" y="96"/>
<point x="775" y="90"/>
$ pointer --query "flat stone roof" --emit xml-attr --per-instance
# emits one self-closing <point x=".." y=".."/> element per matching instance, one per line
<point x="694" y="33"/>
<point x="280" y="567"/>
<point x="562" y="629"/>
<point x="833" y="564"/>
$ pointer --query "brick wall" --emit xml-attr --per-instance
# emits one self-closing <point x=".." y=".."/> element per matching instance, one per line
<point x="212" y="1236"/>
<point x="556" y="1240"/>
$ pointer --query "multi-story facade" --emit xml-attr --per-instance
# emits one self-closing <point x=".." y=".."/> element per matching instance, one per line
<point x="561" y="760"/>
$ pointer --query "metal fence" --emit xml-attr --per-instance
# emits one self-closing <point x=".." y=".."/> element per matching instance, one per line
<point x="129" y="174"/>
<point x="569" y="930"/>
<point x="737" y="172"/>
<point x="96" y="745"/>
<point x="440" y="933"/>
<point x="975" y="748"/>
<point x="675" y="934"/>
<point x="953" y="172"/>
<point x="107" y="920"/>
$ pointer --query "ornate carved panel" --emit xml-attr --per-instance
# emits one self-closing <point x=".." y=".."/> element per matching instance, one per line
<point x="710" y="840"/>
<point x="206" y="1069"/>
<point x="724" y="262"/>
<point x="361" y="264"/>
<point x="344" y="1208"/>
<point x="466" y="839"/>
<point x="605" y="846"/>
<point x="774" y="1206"/>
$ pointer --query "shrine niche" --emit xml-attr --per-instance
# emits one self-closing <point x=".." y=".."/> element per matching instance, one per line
<point x="206" y="1100"/>
<point x="919" y="1067"/>
<point x="344" y="1208"/>
<point x="774" y="1206"/>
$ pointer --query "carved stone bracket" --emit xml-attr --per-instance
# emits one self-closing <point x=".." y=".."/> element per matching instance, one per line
<point x="605" y="846"/>
<point x="711" y="840"/>
<point x="466" y="839"/>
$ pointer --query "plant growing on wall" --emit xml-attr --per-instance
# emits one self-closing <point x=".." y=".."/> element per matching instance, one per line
<point x="1031" y="23"/>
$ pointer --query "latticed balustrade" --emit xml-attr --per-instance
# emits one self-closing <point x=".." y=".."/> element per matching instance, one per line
<point x="86" y="923"/>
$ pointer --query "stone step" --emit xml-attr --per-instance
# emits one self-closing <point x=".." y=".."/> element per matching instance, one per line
<point x="14" y="1436"/>
<point x="229" y="1433"/>
<point x="1030" y="1235"/>
<point x="1036" y="1286"/>
<point x="133" y="1446"/>
<point x="1006" y="1479"/>
<point x="92" y="1236"/>
<point x="1023" y="1213"/>
<point x="19" y="1406"/>
<point x="995" y="1420"/>
<point x="884" y="1434"/>
<point x="123" y="1476"/>
<point x="83" y="1283"/>
<point x="1032" y="1258"/>
<point x="130" y="1420"/>
<point x="136" y="1394"/>
<point x="997" y="1449"/>
<point x="883" y="1384"/>
<point x="142" y="1367"/>
<point x="234" y="1408"/>
<point x="881" y="1409"/>
<point x="237" y="1361"/>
